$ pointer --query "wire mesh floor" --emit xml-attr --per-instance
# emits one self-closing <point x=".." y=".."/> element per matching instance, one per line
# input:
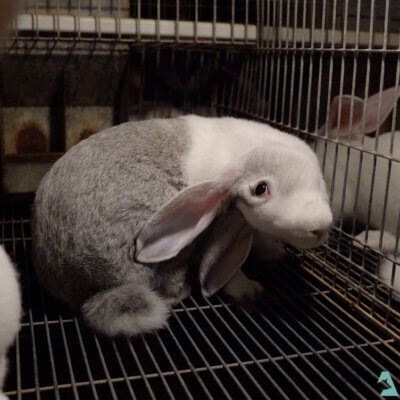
<point x="301" y="341"/>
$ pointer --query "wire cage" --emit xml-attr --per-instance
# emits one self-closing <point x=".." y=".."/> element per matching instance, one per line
<point x="329" y="323"/>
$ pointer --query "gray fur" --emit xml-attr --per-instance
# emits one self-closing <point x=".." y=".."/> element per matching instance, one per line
<point x="91" y="206"/>
<point x="127" y="309"/>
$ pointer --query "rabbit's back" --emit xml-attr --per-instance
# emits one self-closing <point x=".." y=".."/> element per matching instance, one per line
<point x="91" y="205"/>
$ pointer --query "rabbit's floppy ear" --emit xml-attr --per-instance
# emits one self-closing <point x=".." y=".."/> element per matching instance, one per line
<point x="229" y="246"/>
<point x="388" y="100"/>
<point x="183" y="218"/>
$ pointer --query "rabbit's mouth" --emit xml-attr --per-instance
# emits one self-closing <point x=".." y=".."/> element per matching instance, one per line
<point x="309" y="239"/>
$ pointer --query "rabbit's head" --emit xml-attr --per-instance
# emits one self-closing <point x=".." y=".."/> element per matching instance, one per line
<point x="282" y="193"/>
<point x="278" y="188"/>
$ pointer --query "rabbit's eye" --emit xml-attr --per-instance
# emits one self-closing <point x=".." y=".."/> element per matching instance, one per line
<point x="261" y="189"/>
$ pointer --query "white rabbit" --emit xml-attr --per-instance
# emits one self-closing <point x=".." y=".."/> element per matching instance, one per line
<point x="10" y="311"/>
<point x="341" y="133"/>
<point x="385" y="274"/>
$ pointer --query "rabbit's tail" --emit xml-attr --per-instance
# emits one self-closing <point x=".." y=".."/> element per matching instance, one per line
<point x="129" y="309"/>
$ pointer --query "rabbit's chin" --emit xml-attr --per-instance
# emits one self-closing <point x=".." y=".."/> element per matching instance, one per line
<point x="308" y="242"/>
<point x="299" y="239"/>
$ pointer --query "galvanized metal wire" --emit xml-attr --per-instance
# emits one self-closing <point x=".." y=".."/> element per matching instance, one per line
<point x="298" y="71"/>
<point x="328" y="324"/>
<point x="300" y="341"/>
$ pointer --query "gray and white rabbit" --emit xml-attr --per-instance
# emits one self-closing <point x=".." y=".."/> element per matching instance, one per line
<point x="10" y="312"/>
<point x="128" y="221"/>
<point x="337" y="168"/>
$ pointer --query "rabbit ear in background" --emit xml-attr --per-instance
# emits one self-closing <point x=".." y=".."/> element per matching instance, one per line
<point x="342" y="131"/>
<point x="183" y="218"/>
<point x="371" y="114"/>
<point x="229" y="246"/>
<point x="388" y="101"/>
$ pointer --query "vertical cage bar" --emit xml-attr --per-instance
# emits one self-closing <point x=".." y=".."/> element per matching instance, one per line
<point x="124" y="373"/>
<point x="311" y="70"/>
<point x="278" y="66"/>
<point x="285" y="51"/>
<point x="367" y="82"/>
<point x="295" y="15"/>
<point x="355" y="64"/>
<point x="273" y="55"/>
<point x="300" y="91"/>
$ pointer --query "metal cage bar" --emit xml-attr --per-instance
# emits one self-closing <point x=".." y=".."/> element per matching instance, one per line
<point x="282" y="62"/>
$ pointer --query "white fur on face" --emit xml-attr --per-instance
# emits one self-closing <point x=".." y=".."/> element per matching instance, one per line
<point x="298" y="203"/>
<point x="10" y="309"/>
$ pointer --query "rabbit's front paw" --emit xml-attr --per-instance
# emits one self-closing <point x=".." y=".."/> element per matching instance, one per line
<point x="242" y="289"/>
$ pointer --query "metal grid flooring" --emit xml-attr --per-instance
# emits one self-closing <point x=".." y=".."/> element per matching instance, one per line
<point x="301" y="341"/>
